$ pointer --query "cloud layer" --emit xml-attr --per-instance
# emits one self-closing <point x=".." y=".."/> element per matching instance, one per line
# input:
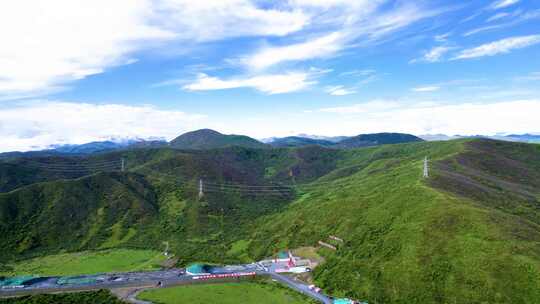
<point x="516" y="116"/>
<point x="43" y="47"/>
<point x="39" y="124"/>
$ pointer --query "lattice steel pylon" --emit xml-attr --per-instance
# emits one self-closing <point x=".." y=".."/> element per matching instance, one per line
<point x="426" y="167"/>
<point x="201" y="193"/>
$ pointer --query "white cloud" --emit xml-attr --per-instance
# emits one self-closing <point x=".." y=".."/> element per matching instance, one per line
<point x="499" y="47"/>
<point x="367" y="107"/>
<point x="497" y="17"/>
<point x="269" y="83"/>
<point x="436" y="53"/>
<point x="520" y="18"/>
<point x="48" y="44"/>
<point x="426" y="89"/>
<point x="503" y="3"/>
<point x="442" y="37"/>
<point x="39" y="124"/>
<point x="339" y="90"/>
<point x="358" y="73"/>
<point x="219" y="19"/>
<point x="514" y="116"/>
<point x="359" y="23"/>
<point x="324" y="46"/>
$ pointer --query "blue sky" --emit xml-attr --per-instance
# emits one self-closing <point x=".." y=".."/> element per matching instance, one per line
<point x="78" y="71"/>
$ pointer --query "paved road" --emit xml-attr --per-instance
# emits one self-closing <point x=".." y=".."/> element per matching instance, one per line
<point x="139" y="280"/>
<point x="302" y="288"/>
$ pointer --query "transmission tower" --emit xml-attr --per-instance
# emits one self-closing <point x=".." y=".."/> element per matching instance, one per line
<point x="201" y="193"/>
<point x="426" y="167"/>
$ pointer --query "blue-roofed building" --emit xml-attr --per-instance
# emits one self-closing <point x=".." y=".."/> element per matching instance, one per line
<point x="198" y="269"/>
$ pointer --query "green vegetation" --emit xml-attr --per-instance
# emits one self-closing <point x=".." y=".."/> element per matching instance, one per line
<point x="87" y="262"/>
<point x="468" y="234"/>
<point x="210" y="139"/>
<point x="225" y="293"/>
<point x="88" y="297"/>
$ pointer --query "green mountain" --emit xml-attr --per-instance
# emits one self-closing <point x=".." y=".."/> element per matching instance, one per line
<point x="296" y="141"/>
<point x="375" y="139"/>
<point x="210" y="139"/>
<point x="89" y="212"/>
<point x="363" y="140"/>
<point x="470" y="233"/>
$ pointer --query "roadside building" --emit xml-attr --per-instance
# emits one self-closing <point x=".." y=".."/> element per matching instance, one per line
<point x="198" y="269"/>
<point x="15" y="282"/>
<point x="343" y="301"/>
<point x="283" y="256"/>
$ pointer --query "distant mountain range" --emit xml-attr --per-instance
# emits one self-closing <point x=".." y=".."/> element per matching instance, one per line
<point x="528" y="138"/>
<point x="209" y="139"/>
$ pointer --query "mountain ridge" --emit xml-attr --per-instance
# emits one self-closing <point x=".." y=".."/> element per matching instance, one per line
<point x="460" y="235"/>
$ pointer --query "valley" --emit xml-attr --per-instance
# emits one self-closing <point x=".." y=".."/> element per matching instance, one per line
<point x="470" y="232"/>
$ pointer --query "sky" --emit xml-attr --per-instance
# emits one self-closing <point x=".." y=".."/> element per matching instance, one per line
<point x="75" y="71"/>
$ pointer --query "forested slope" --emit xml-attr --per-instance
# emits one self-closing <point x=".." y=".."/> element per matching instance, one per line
<point x="467" y="234"/>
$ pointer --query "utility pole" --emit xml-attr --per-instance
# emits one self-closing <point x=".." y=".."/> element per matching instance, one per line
<point x="426" y="168"/>
<point x="123" y="165"/>
<point x="201" y="193"/>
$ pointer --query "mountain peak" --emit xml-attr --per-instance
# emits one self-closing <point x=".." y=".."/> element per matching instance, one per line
<point x="210" y="139"/>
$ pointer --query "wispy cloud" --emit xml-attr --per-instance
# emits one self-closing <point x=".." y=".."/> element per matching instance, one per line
<point x="324" y="46"/>
<point x="498" y="47"/>
<point x="339" y="90"/>
<point x="367" y="72"/>
<point x="426" y="89"/>
<point x="518" y="17"/>
<point x="267" y="83"/>
<point x="442" y="37"/>
<point x="367" y="107"/>
<point x="39" y="124"/>
<point x="218" y="20"/>
<point x="503" y="3"/>
<point x="435" y="54"/>
<point x="363" y="22"/>
<point x="497" y="17"/>
<point x="534" y="76"/>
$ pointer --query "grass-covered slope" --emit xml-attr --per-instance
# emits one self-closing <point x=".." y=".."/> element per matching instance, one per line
<point x="468" y="234"/>
<point x="226" y="293"/>
<point x="87" y="297"/>
<point x="376" y="139"/>
<point x="210" y="139"/>
<point x="296" y="141"/>
<point x="102" y="210"/>
<point x="87" y="262"/>
<point x="156" y="201"/>
<point x="408" y="241"/>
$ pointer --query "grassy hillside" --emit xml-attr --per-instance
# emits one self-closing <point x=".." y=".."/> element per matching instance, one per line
<point x="376" y="139"/>
<point x="87" y="262"/>
<point x="296" y="141"/>
<point x="226" y="293"/>
<point x="407" y="241"/>
<point x="210" y="139"/>
<point x="87" y="297"/>
<point x="105" y="209"/>
<point x="470" y="233"/>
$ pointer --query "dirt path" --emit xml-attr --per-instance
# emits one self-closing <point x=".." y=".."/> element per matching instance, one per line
<point x="130" y="294"/>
